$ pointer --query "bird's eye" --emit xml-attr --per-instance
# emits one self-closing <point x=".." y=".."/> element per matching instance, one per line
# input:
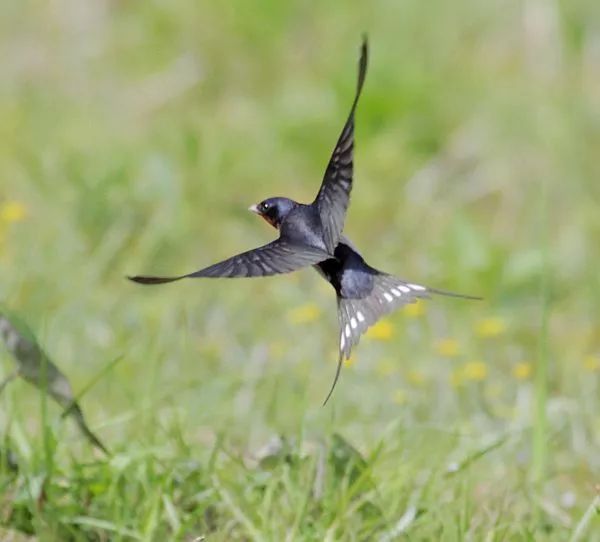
<point x="265" y="206"/>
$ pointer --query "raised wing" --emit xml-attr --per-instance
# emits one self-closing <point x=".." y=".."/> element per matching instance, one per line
<point x="334" y="194"/>
<point x="275" y="258"/>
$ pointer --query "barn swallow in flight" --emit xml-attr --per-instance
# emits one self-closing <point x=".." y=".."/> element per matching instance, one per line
<point x="311" y="235"/>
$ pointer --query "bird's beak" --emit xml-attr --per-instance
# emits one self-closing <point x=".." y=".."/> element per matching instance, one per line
<point x="254" y="209"/>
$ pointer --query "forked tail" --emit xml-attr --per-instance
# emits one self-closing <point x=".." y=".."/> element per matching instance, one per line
<point x="389" y="293"/>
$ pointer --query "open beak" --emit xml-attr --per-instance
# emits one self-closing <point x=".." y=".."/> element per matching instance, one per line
<point x="254" y="209"/>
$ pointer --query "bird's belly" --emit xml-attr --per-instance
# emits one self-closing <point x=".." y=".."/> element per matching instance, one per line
<point x="350" y="277"/>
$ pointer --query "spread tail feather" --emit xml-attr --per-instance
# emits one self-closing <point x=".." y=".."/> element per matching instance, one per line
<point x="389" y="293"/>
<point x="454" y="294"/>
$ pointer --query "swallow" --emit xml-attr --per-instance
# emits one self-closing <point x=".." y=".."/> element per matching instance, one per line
<point x="308" y="233"/>
<point x="311" y="235"/>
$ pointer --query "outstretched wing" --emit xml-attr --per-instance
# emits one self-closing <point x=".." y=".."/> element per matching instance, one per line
<point x="275" y="258"/>
<point x="334" y="194"/>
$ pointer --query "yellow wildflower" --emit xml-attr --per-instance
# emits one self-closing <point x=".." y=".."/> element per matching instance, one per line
<point x="591" y="363"/>
<point x="12" y="211"/>
<point x="490" y="327"/>
<point x="399" y="397"/>
<point x="415" y="310"/>
<point x="522" y="370"/>
<point x="381" y="331"/>
<point x="304" y="314"/>
<point x="448" y="348"/>
<point x="350" y="361"/>
<point x="475" y="370"/>
<point x="415" y="377"/>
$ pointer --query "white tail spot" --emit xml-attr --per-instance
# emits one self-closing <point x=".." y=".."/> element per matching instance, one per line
<point x="342" y="342"/>
<point x="405" y="289"/>
<point x="353" y="322"/>
<point x="417" y="287"/>
<point x="388" y="297"/>
<point x="347" y="331"/>
<point x="396" y="292"/>
<point x="360" y="315"/>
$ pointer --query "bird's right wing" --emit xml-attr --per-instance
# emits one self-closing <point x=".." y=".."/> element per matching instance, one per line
<point x="274" y="258"/>
<point x="334" y="194"/>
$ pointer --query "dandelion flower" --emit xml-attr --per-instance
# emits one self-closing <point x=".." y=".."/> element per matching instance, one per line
<point x="381" y="331"/>
<point x="475" y="371"/>
<point x="350" y="361"/>
<point x="448" y="348"/>
<point x="12" y="211"/>
<point x="416" y="377"/>
<point x="591" y="363"/>
<point x="522" y="370"/>
<point x="490" y="327"/>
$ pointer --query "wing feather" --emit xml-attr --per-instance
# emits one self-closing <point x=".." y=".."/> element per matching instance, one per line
<point x="277" y="257"/>
<point x="334" y="194"/>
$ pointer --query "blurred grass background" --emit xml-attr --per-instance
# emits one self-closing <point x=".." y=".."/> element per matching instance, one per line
<point x="134" y="135"/>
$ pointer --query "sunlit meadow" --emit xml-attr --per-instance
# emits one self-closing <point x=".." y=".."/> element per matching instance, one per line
<point x="134" y="135"/>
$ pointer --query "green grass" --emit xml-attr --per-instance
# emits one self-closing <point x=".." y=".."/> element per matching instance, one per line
<point x="135" y="135"/>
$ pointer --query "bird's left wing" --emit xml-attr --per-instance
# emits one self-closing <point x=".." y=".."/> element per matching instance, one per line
<point x="334" y="194"/>
<point x="275" y="258"/>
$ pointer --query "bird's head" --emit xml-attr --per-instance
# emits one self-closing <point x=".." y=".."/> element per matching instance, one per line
<point x="273" y="210"/>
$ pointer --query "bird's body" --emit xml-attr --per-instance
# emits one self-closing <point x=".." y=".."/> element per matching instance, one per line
<point x="302" y="226"/>
<point x="311" y="235"/>
<point x="348" y="273"/>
